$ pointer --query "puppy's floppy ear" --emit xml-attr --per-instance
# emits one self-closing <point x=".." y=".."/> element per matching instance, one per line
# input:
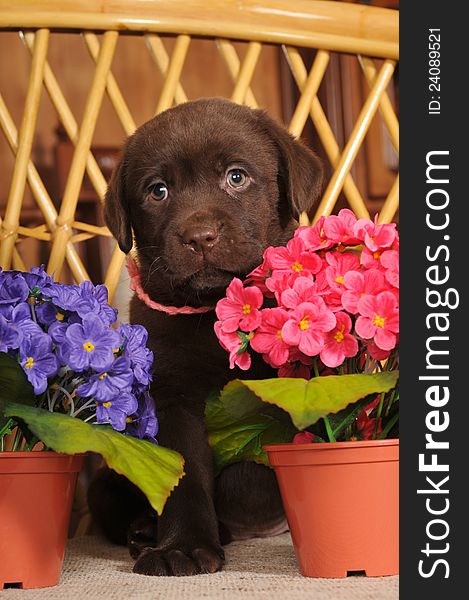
<point x="116" y="209"/>
<point x="301" y="172"/>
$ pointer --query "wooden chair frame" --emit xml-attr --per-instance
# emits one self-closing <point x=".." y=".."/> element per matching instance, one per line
<point x="368" y="32"/>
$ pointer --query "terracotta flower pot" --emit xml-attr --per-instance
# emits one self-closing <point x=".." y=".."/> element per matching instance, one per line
<point x="342" y="504"/>
<point x="36" y="494"/>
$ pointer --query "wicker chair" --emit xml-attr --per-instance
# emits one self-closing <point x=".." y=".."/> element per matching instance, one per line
<point x="325" y="26"/>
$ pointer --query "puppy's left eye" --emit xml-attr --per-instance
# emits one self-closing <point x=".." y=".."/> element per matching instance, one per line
<point x="159" y="191"/>
<point x="236" y="178"/>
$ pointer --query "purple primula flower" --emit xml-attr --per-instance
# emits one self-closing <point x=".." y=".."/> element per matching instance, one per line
<point x="96" y="297"/>
<point x="21" y="318"/>
<point x="141" y="358"/>
<point x="64" y="296"/>
<point x="116" y="410"/>
<point x="37" y="277"/>
<point x="38" y="361"/>
<point x="144" y="422"/>
<point x="47" y="313"/>
<point x="57" y="331"/>
<point x="64" y="330"/>
<point x="10" y="335"/>
<point x="106" y="385"/>
<point x="13" y="288"/>
<point x="91" y="344"/>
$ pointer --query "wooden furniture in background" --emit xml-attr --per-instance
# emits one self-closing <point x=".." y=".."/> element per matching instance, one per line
<point x="247" y="35"/>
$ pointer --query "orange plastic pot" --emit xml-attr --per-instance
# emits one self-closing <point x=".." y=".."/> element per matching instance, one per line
<point x="342" y="505"/>
<point x="36" y="494"/>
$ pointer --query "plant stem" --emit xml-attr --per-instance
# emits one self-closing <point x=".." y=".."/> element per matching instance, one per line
<point x="390" y="424"/>
<point x="378" y="415"/>
<point x="31" y="302"/>
<point x="330" y="433"/>
<point x="391" y="402"/>
<point x="84" y="407"/>
<point x="18" y="440"/>
<point x="6" y="427"/>
<point x="4" y="431"/>
<point x="70" y="399"/>
<point x="315" y="368"/>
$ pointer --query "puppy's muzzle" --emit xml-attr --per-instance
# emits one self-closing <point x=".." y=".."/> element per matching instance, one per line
<point x="200" y="238"/>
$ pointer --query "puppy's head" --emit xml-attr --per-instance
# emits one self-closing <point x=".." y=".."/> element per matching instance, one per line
<point x="206" y="187"/>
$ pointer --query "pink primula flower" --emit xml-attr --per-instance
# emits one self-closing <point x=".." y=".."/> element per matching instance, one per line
<point x="268" y="339"/>
<point x="371" y="260"/>
<point x="340" y="263"/>
<point x="295" y="259"/>
<point x="376" y="237"/>
<point x="390" y="261"/>
<point x="358" y="284"/>
<point x="306" y="327"/>
<point x="314" y="237"/>
<point x="339" y="343"/>
<point x="258" y="275"/>
<point x="231" y="342"/>
<point x="305" y="289"/>
<point x="366" y="425"/>
<point x="339" y="228"/>
<point x="278" y="283"/>
<point x="240" y="307"/>
<point x="295" y="369"/>
<point x="379" y="319"/>
<point x="330" y="296"/>
<point x="303" y="437"/>
<point x="375" y="352"/>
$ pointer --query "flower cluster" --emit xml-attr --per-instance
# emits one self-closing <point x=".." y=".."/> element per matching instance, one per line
<point x="329" y="299"/>
<point x="326" y="304"/>
<point x="76" y="362"/>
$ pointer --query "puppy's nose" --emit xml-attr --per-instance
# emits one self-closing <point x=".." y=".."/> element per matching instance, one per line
<point x="200" y="238"/>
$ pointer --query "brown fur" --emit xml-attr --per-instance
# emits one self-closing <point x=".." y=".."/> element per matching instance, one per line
<point x="190" y="246"/>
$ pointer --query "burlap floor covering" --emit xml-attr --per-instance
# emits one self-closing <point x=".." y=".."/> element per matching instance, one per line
<point x="255" y="569"/>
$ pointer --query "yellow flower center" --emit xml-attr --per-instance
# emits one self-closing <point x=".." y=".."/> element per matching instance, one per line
<point x="88" y="346"/>
<point x="304" y="323"/>
<point x="376" y="255"/>
<point x="116" y="351"/>
<point x="339" y="336"/>
<point x="129" y="420"/>
<point x="59" y="316"/>
<point x="246" y="309"/>
<point x="102" y="376"/>
<point x="379" y="321"/>
<point x="107" y="404"/>
<point x="250" y="335"/>
<point x="340" y="279"/>
<point x="279" y="334"/>
<point x="29" y="363"/>
<point x="297" y="267"/>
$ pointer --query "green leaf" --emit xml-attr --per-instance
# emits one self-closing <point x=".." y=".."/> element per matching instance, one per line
<point x="239" y="424"/>
<point x="307" y="401"/>
<point x="14" y="385"/>
<point x="155" y="470"/>
<point x="246" y="415"/>
<point x="345" y="417"/>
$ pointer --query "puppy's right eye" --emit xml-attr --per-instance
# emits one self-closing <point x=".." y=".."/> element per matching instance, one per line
<point x="159" y="191"/>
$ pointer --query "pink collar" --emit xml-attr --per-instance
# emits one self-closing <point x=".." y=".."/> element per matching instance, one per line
<point x="136" y="286"/>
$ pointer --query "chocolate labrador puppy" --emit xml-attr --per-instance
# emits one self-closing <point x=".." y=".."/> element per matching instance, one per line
<point x="206" y="187"/>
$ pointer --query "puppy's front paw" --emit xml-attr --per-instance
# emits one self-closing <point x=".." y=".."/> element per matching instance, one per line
<point x="174" y="561"/>
<point x="141" y="535"/>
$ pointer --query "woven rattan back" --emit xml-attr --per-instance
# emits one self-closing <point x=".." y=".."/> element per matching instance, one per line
<point x="371" y="33"/>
